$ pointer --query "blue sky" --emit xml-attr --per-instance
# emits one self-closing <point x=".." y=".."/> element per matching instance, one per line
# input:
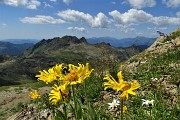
<point x="38" y="19"/>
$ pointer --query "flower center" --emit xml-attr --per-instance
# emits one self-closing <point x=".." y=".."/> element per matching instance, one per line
<point x="71" y="77"/>
<point x="126" y="87"/>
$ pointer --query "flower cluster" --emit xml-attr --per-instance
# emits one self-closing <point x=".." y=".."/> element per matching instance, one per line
<point x="121" y="85"/>
<point x="63" y="76"/>
<point x="34" y="94"/>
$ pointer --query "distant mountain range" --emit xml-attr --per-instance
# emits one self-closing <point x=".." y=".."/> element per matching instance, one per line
<point x="17" y="46"/>
<point x="142" y="42"/>
<point x="7" y="48"/>
<point x="20" y="41"/>
<point x="124" y="42"/>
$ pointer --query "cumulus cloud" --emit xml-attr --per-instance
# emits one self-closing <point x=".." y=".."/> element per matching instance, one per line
<point x="99" y="21"/>
<point x="178" y="14"/>
<point x="30" y="4"/>
<point x="166" y="21"/>
<point x="67" y="1"/>
<point x="172" y="3"/>
<point x="79" y="29"/>
<point x="141" y="3"/>
<point x="123" y="21"/>
<point x="132" y="16"/>
<point x="41" y="19"/>
<point x="73" y="15"/>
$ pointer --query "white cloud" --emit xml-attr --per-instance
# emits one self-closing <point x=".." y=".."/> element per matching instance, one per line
<point x="124" y="28"/>
<point x="67" y="1"/>
<point x="172" y="3"/>
<point x="154" y="30"/>
<point x="166" y="21"/>
<point x="72" y="15"/>
<point x="100" y="21"/>
<point x="80" y="29"/>
<point x="47" y="5"/>
<point x="53" y="0"/>
<point x="163" y="28"/>
<point x="132" y="16"/>
<point x="141" y="3"/>
<point x="4" y="25"/>
<point x="113" y="2"/>
<point x="139" y="33"/>
<point x="40" y="19"/>
<point x="33" y="4"/>
<point x="122" y="21"/>
<point x="178" y="14"/>
<point x="30" y="4"/>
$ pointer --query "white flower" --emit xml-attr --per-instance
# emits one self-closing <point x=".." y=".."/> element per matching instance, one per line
<point x="114" y="104"/>
<point x="154" y="79"/>
<point x="148" y="103"/>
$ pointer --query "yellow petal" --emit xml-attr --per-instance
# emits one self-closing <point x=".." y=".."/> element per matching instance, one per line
<point x="124" y="109"/>
<point x="120" y="77"/>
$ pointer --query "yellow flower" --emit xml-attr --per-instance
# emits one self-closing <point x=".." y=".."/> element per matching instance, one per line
<point x="58" y="93"/>
<point x="129" y="89"/>
<point x="115" y="85"/>
<point x="34" y="94"/>
<point x="77" y="74"/>
<point x="54" y="73"/>
<point x="121" y="85"/>
<point x="47" y="76"/>
<point x="58" y="69"/>
<point x="124" y="109"/>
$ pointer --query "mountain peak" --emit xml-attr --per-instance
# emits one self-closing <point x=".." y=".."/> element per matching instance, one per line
<point x="74" y="39"/>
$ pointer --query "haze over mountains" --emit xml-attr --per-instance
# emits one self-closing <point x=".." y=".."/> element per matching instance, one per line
<point x="20" y="41"/>
<point x="144" y="42"/>
<point x="7" y="48"/>
<point x="17" y="46"/>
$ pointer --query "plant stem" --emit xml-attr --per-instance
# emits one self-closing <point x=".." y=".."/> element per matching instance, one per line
<point x="151" y="113"/>
<point x="64" y="105"/>
<point x="85" y="92"/>
<point x="121" y="109"/>
<point x="74" y="100"/>
<point x="65" y="112"/>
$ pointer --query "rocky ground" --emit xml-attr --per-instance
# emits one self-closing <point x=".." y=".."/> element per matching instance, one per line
<point x="13" y="100"/>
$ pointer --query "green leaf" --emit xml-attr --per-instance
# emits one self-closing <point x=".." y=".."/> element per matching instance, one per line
<point x="79" y="110"/>
<point x="60" y="116"/>
<point x="92" y="113"/>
